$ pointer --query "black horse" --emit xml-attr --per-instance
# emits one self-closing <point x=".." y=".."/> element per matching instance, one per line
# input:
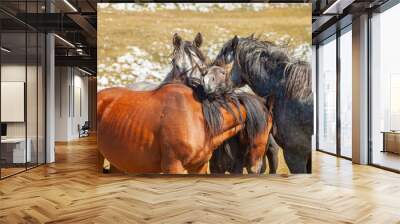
<point x="269" y="71"/>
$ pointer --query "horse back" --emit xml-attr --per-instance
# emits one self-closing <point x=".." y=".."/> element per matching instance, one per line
<point x="106" y="97"/>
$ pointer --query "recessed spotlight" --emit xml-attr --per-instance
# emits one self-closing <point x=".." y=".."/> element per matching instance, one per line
<point x="70" y="5"/>
<point x="64" y="40"/>
<point x="5" y="50"/>
<point x="84" y="71"/>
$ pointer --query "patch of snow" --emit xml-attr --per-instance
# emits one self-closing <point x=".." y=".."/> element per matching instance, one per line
<point x="133" y="66"/>
<point x="197" y="7"/>
<point x="303" y="52"/>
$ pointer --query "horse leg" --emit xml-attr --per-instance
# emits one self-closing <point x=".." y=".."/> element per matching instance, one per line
<point x="296" y="162"/>
<point x="237" y="151"/>
<point x="309" y="164"/>
<point x="202" y="169"/>
<point x="106" y="166"/>
<point x="264" y="161"/>
<point x="272" y="155"/>
<point x="173" y="167"/>
<point x="170" y="164"/>
<point x="217" y="162"/>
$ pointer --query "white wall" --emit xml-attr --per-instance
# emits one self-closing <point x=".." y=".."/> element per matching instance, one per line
<point x="33" y="127"/>
<point x="71" y="94"/>
<point x="15" y="73"/>
<point x="62" y="81"/>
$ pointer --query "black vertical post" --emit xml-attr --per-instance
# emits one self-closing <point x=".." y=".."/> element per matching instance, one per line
<point x="369" y="96"/>
<point x="73" y="91"/>
<point x="45" y="96"/>
<point x="316" y="97"/>
<point x="26" y="86"/>
<point x="338" y="73"/>
<point x="37" y="90"/>
<point x="45" y="88"/>
<point x="0" y="97"/>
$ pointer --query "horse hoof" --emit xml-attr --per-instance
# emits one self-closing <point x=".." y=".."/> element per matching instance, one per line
<point x="106" y="170"/>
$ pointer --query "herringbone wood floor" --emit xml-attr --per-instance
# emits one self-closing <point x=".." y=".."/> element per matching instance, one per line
<point x="71" y="191"/>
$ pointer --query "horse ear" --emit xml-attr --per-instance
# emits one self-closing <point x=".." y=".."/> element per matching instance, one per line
<point x="176" y="40"/>
<point x="235" y="42"/>
<point x="251" y="36"/>
<point x="198" y="40"/>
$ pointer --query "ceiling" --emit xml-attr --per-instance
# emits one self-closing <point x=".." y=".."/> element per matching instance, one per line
<point x="74" y="22"/>
<point x="332" y="15"/>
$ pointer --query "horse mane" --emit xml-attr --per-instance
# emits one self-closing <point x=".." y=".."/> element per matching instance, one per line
<point x="256" y="57"/>
<point x="297" y="79"/>
<point x="256" y="113"/>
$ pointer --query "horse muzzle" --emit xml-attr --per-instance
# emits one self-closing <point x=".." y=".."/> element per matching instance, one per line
<point x="254" y="168"/>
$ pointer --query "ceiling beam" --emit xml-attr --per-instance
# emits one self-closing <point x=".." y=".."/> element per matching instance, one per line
<point x="320" y="22"/>
<point x="84" y="24"/>
<point x="78" y="61"/>
<point x="337" y="7"/>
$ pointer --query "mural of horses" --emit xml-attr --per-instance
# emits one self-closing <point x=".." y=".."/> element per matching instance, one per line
<point x="195" y="59"/>
<point x="173" y="129"/>
<point x="269" y="71"/>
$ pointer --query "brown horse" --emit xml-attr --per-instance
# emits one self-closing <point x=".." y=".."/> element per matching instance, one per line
<point x="169" y="130"/>
<point x="188" y="66"/>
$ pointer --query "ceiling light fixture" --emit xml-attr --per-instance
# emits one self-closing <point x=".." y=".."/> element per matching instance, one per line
<point x="5" y="50"/>
<point x="337" y="7"/>
<point x="84" y="71"/>
<point x="70" y="5"/>
<point x="65" y="41"/>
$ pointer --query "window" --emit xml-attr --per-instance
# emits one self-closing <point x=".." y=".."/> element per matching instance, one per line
<point x="22" y="75"/>
<point x="385" y="89"/>
<point x="346" y="93"/>
<point x="327" y="96"/>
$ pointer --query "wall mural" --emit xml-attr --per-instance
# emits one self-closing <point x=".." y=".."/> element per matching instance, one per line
<point x="205" y="88"/>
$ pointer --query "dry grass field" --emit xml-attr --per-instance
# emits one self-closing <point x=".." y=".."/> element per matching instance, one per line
<point x="135" y="45"/>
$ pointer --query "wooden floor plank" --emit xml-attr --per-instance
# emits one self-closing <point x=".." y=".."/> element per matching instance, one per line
<point x="72" y="191"/>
